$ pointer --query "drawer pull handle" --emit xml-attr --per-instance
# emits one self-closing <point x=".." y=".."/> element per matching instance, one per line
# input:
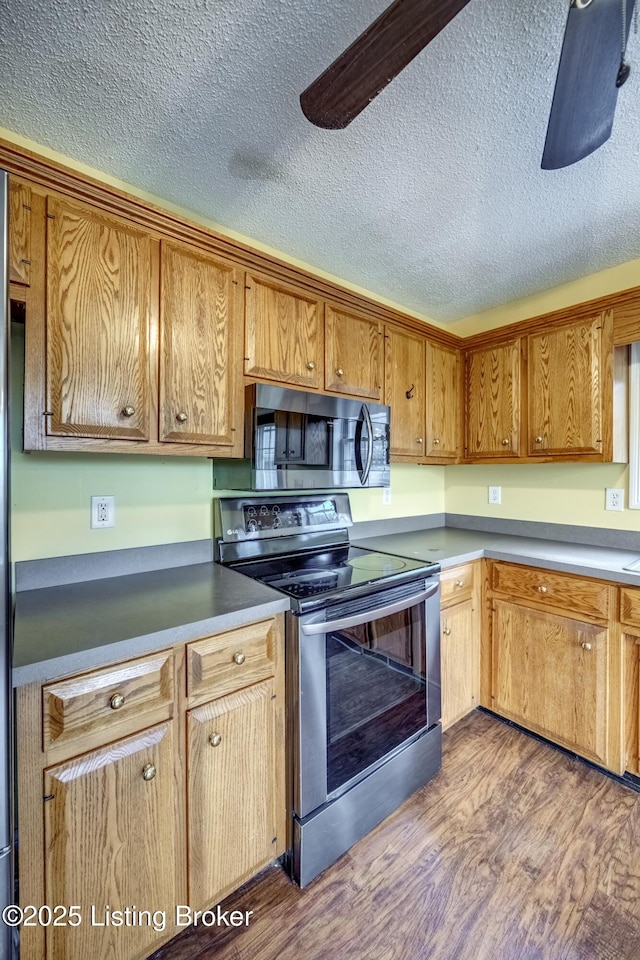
<point x="117" y="701"/>
<point x="215" y="739"/>
<point x="340" y="372"/>
<point x="585" y="645"/>
<point x="311" y="365"/>
<point x="181" y="417"/>
<point x="459" y="583"/>
<point x="239" y="658"/>
<point x="542" y="589"/>
<point x="128" y="411"/>
<point x="148" y="771"/>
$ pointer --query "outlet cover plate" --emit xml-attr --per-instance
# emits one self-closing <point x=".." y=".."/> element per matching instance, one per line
<point x="614" y="498"/>
<point x="103" y="512"/>
<point x="386" y="495"/>
<point x="495" y="495"/>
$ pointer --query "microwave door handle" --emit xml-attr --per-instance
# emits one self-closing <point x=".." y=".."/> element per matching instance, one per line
<point x="365" y="616"/>
<point x="367" y="467"/>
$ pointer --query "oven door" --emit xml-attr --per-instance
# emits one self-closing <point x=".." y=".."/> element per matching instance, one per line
<point x="368" y="682"/>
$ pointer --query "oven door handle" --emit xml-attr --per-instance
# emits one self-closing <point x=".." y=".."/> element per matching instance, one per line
<point x="327" y="626"/>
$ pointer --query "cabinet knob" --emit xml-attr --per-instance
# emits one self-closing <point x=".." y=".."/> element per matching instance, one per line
<point x="117" y="701"/>
<point x="436" y="443"/>
<point x="148" y="771"/>
<point x="128" y="411"/>
<point x="311" y="365"/>
<point x="459" y="583"/>
<point x="181" y="417"/>
<point x="419" y="440"/>
<point x="585" y="645"/>
<point x="446" y="631"/>
<point x="505" y="442"/>
<point x="542" y="589"/>
<point x="340" y="372"/>
<point x="215" y="739"/>
<point x="538" y="439"/>
<point x="239" y="658"/>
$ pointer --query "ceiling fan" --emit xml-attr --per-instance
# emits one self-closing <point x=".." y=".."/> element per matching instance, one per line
<point x="592" y="68"/>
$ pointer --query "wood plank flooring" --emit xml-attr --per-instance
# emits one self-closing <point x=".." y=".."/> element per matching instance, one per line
<point x="513" y="852"/>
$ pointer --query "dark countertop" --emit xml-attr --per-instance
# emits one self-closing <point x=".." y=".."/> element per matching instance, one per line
<point x="74" y="627"/>
<point x="450" y="546"/>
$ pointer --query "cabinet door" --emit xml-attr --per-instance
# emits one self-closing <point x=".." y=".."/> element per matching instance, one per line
<point x="353" y="354"/>
<point x="444" y="389"/>
<point x="460" y="661"/>
<point x="550" y="673"/>
<point x="492" y="385"/>
<point x="283" y="333"/>
<point x="110" y="841"/>
<point x="19" y="232"/>
<point x="231" y="795"/>
<point x="405" y="391"/>
<point x="565" y="389"/>
<point x="98" y="291"/>
<point x="199" y="347"/>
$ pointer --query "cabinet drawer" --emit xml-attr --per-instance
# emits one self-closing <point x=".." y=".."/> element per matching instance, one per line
<point x="630" y="607"/>
<point x="105" y="699"/>
<point x="560" y="590"/>
<point x="456" y="584"/>
<point x="229" y="661"/>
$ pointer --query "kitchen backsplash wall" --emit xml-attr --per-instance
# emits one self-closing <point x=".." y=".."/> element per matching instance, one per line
<point x="556" y="493"/>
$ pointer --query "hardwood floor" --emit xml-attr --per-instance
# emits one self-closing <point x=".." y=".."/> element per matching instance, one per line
<point x="513" y="852"/>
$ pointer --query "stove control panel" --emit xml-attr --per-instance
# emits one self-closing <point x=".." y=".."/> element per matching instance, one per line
<point x="252" y="518"/>
<point x="289" y="515"/>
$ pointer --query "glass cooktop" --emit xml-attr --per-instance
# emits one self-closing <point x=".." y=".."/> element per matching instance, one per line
<point x="333" y="571"/>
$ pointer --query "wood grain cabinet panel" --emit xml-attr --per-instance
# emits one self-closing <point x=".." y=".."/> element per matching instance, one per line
<point x="231" y="799"/>
<point x="353" y="354"/>
<point x="585" y="598"/>
<point x="105" y="699"/>
<point x="98" y="297"/>
<point x="492" y="401"/>
<point x="566" y="389"/>
<point x="228" y="661"/>
<point x="405" y="392"/>
<point x="19" y="232"/>
<point x="460" y="661"/>
<point x="110" y="840"/>
<point x="283" y="333"/>
<point x="199" y="347"/>
<point x="551" y="674"/>
<point x="457" y="584"/>
<point x="443" y="397"/>
<point x="630" y="606"/>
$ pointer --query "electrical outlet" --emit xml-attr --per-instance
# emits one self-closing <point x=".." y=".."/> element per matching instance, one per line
<point x="103" y="512"/>
<point x="386" y="495"/>
<point x="495" y="495"/>
<point x="614" y="498"/>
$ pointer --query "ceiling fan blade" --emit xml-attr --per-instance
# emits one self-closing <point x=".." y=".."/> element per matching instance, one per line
<point x="585" y="96"/>
<point x="374" y="59"/>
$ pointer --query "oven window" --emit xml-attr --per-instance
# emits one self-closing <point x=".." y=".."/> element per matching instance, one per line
<point x="376" y="695"/>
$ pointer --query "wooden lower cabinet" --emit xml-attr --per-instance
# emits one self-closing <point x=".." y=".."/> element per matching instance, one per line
<point x="110" y="844"/>
<point x="460" y="642"/>
<point x="120" y="816"/>
<point x="232" y="807"/>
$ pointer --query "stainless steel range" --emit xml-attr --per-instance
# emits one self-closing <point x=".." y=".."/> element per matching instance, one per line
<point x="362" y="662"/>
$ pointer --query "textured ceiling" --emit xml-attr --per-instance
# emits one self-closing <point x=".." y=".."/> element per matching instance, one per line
<point x="433" y="197"/>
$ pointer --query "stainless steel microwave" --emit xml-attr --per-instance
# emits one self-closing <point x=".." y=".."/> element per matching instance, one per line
<point x="296" y="440"/>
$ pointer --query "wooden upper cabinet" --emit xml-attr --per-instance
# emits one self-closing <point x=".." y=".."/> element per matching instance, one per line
<point x="566" y="389"/>
<point x="444" y="399"/>
<point x="492" y="386"/>
<point x="353" y="354"/>
<point x="405" y="391"/>
<point x="98" y="297"/>
<point x="199" y="347"/>
<point x="19" y="232"/>
<point x="283" y="333"/>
